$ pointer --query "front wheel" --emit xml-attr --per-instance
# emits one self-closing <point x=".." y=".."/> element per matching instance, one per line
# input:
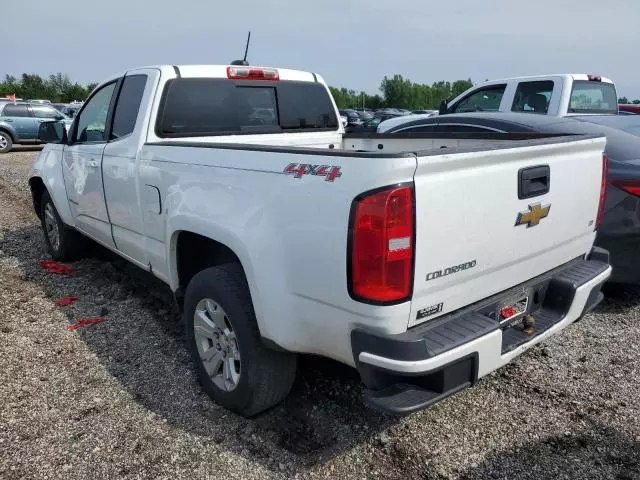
<point x="234" y="366"/>
<point x="63" y="243"/>
<point x="6" y="142"/>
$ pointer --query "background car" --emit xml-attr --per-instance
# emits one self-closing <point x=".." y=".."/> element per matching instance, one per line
<point x="629" y="108"/>
<point x="377" y="119"/>
<point x="365" y="115"/>
<point x="20" y="121"/>
<point x="620" y="122"/>
<point x="353" y="119"/>
<point x="71" y="110"/>
<point x="620" y="229"/>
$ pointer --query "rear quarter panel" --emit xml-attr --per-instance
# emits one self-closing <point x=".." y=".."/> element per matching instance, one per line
<point x="289" y="233"/>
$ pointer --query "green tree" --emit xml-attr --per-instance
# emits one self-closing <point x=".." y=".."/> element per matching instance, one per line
<point x="57" y="87"/>
<point x="623" y="100"/>
<point x="636" y="102"/>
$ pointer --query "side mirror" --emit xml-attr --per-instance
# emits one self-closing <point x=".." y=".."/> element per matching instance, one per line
<point x="443" y="107"/>
<point x="52" y="132"/>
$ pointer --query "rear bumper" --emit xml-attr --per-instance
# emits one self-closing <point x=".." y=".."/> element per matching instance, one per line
<point x="420" y="367"/>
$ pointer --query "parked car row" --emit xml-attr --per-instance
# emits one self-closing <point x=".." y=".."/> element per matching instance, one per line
<point x="370" y="119"/>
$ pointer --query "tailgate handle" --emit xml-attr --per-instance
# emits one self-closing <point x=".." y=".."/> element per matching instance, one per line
<point x="533" y="181"/>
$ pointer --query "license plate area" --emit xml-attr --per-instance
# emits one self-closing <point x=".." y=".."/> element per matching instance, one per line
<point x="514" y="308"/>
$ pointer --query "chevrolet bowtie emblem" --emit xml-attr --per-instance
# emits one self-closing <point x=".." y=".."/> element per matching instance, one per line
<point x="532" y="217"/>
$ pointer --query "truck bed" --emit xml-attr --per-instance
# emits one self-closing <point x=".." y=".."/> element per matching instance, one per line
<point x="369" y="145"/>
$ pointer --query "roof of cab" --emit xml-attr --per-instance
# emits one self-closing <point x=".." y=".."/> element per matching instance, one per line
<point x="220" y="71"/>
<point x="573" y="76"/>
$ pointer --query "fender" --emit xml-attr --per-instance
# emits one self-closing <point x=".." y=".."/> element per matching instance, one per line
<point x="10" y="130"/>
<point x="188" y="223"/>
<point x="48" y="168"/>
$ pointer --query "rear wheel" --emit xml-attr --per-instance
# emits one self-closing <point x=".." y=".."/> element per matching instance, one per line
<point x="6" y="142"/>
<point x="234" y="366"/>
<point x="63" y="243"/>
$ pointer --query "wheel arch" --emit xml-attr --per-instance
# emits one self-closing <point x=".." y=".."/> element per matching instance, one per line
<point x="12" y="134"/>
<point x="192" y="250"/>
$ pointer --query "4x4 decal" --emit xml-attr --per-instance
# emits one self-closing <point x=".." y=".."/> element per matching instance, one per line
<point x="330" y="172"/>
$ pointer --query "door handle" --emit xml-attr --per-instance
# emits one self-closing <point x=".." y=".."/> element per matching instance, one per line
<point x="93" y="163"/>
<point x="533" y="181"/>
<point x="8" y="120"/>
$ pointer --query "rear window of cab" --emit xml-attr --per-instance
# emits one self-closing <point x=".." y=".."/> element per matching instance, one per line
<point x="214" y="106"/>
<point x="593" y="97"/>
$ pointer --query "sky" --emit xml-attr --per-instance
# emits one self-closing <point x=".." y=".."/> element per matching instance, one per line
<point x="351" y="43"/>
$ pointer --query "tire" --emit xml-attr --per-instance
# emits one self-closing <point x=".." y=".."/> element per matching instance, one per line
<point x="251" y="377"/>
<point x="6" y="142"/>
<point x="70" y="245"/>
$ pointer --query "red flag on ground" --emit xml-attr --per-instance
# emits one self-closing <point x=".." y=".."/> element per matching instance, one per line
<point x="84" y="322"/>
<point x="51" y="266"/>
<point x="64" y="301"/>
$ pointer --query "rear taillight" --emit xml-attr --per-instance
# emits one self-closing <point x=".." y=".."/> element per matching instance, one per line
<point x="603" y="190"/>
<point x="382" y="240"/>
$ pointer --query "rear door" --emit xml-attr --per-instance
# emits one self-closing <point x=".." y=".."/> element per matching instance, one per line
<point x="487" y="221"/>
<point x="128" y="201"/>
<point x="82" y="165"/>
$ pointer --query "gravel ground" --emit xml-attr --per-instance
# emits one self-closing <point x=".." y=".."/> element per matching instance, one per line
<point x="120" y="400"/>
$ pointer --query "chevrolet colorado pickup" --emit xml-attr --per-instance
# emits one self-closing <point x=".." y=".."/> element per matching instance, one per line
<point x="423" y="267"/>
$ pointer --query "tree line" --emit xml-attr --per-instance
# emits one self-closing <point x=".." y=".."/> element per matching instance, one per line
<point x="57" y="87"/>
<point x="625" y="101"/>
<point x="400" y="92"/>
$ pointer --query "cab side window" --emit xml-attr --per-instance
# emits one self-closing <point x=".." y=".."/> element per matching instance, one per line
<point x="15" y="110"/>
<point x="484" y="100"/>
<point x="128" y="106"/>
<point x="92" y="120"/>
<point x="533" y="97"/>
<point x="42" y="111"/>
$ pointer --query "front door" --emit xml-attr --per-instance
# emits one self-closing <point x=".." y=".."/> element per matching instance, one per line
<point x="83" y="166"/>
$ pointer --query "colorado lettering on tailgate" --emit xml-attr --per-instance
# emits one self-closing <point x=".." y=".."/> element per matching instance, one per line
<point x="450" y="270"/>
<point x="330" y="172"/>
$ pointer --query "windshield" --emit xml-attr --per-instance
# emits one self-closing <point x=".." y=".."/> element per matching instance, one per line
<point x="593" y="97"/>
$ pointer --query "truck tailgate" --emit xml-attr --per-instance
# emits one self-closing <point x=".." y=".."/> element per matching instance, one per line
<point x="475" y="237"/>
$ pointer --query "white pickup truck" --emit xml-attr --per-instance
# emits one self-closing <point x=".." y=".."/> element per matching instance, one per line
<point x="423" y="268"/>
<point x="558" y="95"/>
